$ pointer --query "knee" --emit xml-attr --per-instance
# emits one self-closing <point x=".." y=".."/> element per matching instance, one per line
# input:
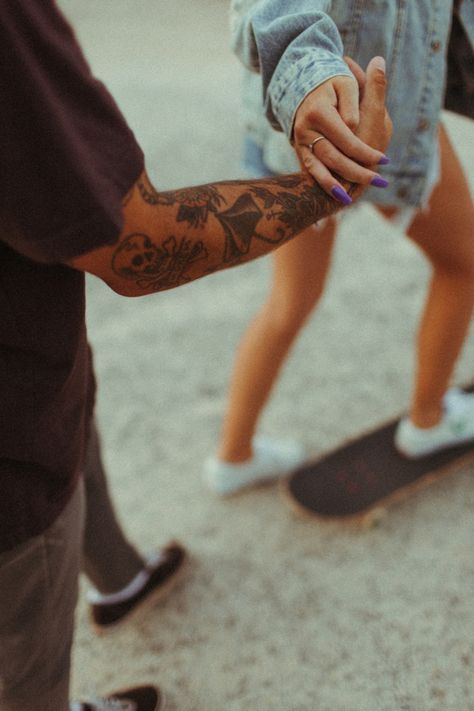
<point x="466" y="272"/>
<point x="458" y="266"/>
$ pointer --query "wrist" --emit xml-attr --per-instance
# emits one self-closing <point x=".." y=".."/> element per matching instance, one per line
<point x="291" y="87"/>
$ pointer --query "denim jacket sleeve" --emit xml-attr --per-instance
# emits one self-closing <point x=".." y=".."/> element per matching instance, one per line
<point x="295" y="46"/>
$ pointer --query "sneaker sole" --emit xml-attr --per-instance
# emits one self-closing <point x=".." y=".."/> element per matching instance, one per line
<point x="245" y="488"/>
<point x="259" y="483"/>
<point x="162" y="701"/>
<point x="434" y="450"/>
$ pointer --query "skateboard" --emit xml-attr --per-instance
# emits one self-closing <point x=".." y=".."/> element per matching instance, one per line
<point x="360" y="480"/>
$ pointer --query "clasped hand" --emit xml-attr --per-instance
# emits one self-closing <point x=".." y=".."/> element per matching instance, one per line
<point x="350" y="114"/>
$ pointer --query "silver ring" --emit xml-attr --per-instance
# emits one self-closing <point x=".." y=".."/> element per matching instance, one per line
<point x="313" y="143"/>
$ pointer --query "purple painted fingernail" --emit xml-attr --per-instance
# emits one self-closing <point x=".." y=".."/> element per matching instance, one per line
<point x="341" y="195"/>
<point x="384" y="160"/>
<point x="379" y="182"/>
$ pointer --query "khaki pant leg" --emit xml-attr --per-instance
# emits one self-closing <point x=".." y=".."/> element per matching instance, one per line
<point x="110" y="561"/>
<point x="38" y="595"/>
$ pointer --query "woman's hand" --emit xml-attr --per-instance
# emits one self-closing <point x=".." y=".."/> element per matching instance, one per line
<point x="332" y="113"/>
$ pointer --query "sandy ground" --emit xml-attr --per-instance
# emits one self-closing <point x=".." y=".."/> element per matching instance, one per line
<point x="275" y="612"/>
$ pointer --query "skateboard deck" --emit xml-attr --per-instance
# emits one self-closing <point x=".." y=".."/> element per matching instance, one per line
<point x="360" y="480"/>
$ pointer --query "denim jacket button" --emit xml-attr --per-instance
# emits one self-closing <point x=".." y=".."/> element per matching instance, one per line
<point x="436" y="45"/>
<point x="402" y="192"/>
<point x="423" y="124"/>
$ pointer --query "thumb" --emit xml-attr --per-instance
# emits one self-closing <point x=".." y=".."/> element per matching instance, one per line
<point x="376" y="126"/>
<point x="376" y="82"/>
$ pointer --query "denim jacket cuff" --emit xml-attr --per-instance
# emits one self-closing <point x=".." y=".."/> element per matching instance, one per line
<point x="293" y="81"/>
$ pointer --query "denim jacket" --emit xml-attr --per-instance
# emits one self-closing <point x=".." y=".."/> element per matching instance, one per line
<point x="298" y="44"/>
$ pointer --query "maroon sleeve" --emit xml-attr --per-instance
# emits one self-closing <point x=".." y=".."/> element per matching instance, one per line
<point x="67" y="156"/>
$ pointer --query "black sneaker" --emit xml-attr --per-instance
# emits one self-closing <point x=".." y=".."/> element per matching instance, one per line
<point x="140" y="698"/>
<point x="160" y="576"/>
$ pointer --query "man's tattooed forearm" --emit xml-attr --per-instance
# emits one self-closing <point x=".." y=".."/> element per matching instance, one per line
<point x="268" y="210"/>
<point x="155" y="267"/>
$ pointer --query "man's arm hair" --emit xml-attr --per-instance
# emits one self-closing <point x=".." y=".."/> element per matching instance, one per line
<point x="174" y="237"/>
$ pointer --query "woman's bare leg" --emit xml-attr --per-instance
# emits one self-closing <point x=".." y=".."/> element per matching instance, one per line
<point x="446" y="235"/>
<point x="300" y="270"/>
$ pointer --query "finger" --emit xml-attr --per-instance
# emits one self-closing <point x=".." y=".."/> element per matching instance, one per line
<point x="323" y="177"/>
<point x="333" y="127"/>
<point x="347" y="95"/>
<point x="376" y="83"/>
<point x="375" y="125"/>
<point x="346" y="168"/>
<point x="358" y="73"/>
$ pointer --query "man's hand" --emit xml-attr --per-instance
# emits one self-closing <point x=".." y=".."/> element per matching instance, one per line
<point x="375" y="126"/>
<point x="334" y="110"/>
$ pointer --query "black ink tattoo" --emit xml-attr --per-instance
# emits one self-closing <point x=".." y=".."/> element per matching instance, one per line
<point x="195" y="203"/>
<point x="239" y="223"/>
<point x="148" y="192"/>
<point x="269" y="210"/>
<point x="294" y="211"/>
<point x="153" y="267"/>
<point x="289" y="212"/>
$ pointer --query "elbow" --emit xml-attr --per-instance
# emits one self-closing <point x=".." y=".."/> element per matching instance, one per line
<point x="131" y="289"/>
<point x="122" y="287"/>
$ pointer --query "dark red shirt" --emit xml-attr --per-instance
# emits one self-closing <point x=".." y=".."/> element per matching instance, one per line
<point x="67" y="158"/>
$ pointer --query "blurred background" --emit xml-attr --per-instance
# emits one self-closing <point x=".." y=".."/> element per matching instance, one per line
<point x="276" y="613"/>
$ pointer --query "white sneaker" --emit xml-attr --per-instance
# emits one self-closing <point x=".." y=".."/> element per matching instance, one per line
<point x="271" y="460"/>
<point x="456" y="427"/>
